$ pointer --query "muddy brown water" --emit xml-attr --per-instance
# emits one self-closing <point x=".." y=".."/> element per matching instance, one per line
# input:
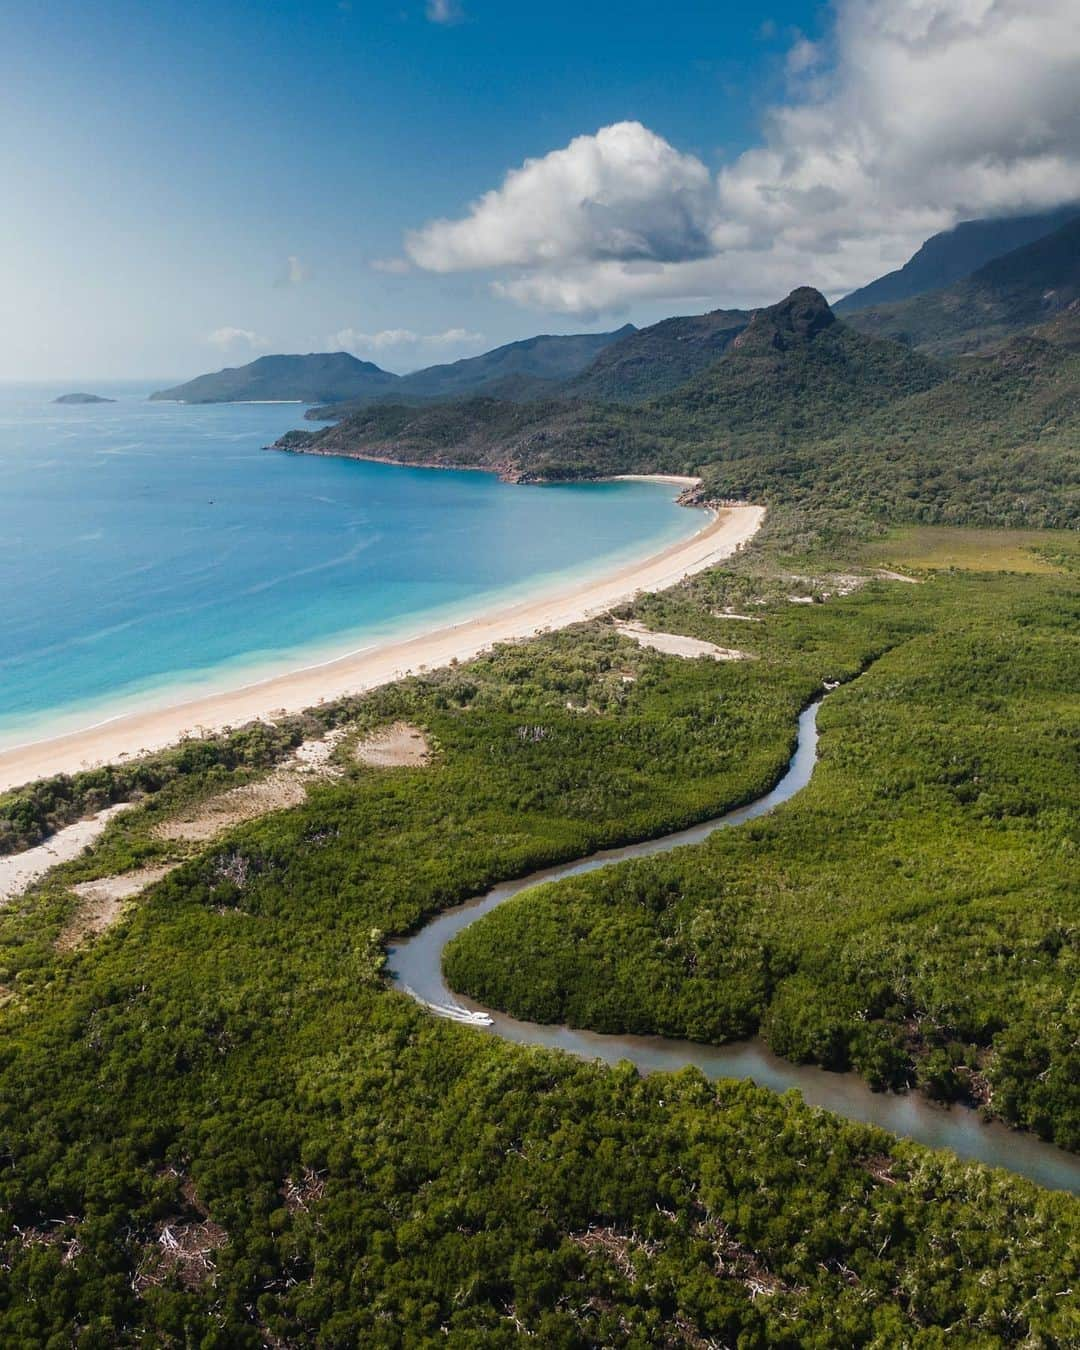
<point x="416" y="968"/>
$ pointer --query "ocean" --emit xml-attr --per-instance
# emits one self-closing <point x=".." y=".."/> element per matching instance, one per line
<point x="151" y="548"/>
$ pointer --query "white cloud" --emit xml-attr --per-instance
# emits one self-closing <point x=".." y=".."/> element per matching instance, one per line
<point x="350" y="339"/>
<point x="912" y="115"/>
<point x="443" y="11"/>
<point x="453" y="337"/>
<point x="623" y="193"/>
<point x="227" y="338"/>
<point x="803" y="55"/>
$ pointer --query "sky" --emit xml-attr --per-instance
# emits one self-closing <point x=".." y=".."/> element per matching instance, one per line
<point x="188" y="185"/>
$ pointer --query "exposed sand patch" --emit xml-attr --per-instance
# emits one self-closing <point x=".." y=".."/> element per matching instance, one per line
<point x="20" y="870"/>
<point x="886" y="575"/>
<point x="284" y="788"/>
<point x="674" y="644"/>
<point x="152" y="729"/>
<point x="741" y="618"/>
<point x="399" y="746"/>
<point x="105" y="900"/>
<point x="314" y="756"/>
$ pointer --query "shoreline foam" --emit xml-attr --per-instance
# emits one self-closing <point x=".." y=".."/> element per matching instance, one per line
<point x="138" y="732"/>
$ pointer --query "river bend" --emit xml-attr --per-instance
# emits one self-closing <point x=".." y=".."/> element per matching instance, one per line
<point x="416" y="968"/>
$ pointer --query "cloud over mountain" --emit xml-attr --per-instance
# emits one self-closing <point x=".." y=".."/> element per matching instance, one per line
<point x="912" y="114"/>
<point x="230" y="338"/>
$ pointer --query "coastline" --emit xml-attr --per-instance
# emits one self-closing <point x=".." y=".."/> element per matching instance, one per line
<point x="139" y="732"/>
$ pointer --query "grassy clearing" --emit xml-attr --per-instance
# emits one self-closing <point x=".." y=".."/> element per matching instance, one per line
<point x="941" y="548"/>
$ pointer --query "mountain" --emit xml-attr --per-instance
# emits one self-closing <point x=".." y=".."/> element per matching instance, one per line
<point x="790" y="370"/>
<point x="626" y="366"/>
<point x="543" y="358"/>
<point x="802" y="408"/>
<point x="320" y="377"/>
<point x="955" y="254"/>
<point x="650" y="361"/>
<point x="83" y="398"/>
<point x="517" y="370"/>
<point x="1014" y="292"/>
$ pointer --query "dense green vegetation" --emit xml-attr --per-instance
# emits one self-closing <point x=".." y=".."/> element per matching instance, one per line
<point x="913" y="914"/>
<point x="1003" y="297"/>
<point x="654" y="360"/>
<point x="221" y="1128"/>
<point x="800" y="410"/>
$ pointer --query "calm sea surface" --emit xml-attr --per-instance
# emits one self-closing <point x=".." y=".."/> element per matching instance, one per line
<point x="146" y="547"/>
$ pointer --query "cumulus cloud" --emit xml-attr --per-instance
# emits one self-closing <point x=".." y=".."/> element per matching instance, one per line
<point x="232" y="338"/>
<point x="624" y="193"/>
<point x="911" y="115"/>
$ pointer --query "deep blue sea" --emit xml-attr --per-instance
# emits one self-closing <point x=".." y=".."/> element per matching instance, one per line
<point x="146" y="547"/>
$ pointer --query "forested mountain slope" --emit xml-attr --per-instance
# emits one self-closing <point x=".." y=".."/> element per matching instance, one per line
<point x="1004" y="297"/>
<point x="799" y="408"/>
<point x="548" y="358"/>
<point x="955" y="254"/>
<point x="654" y="360"/>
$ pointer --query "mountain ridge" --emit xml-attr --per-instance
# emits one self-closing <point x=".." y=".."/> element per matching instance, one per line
<point x="1013" y="292"/>
<point x="952" y="255"/>
<point x="802" y="407"/>
<point x="339" y="378"/>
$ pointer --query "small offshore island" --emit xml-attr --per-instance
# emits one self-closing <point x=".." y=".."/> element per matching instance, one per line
<point x="83" y="398"/>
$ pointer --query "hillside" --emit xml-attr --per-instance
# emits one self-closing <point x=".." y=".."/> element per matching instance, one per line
<point x="630" y="365"/>
<point x="523" y="369"/>
<point x="801" y="408"/>
<point x="651" y="361"/>
<point x="954" y="254"/>
<point x="1025" y="287"/>
<point x="320" y="377"/>
<point x="547" y="357"/>
<point x="793" y="371"/>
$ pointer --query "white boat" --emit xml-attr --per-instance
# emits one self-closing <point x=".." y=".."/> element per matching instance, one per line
<point x="453" y="1013"/>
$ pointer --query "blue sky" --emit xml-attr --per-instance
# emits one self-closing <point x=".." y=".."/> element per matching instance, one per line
<point x="190" y="184"/>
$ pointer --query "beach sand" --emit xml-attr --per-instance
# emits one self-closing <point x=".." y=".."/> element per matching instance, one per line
<point x="153" y="729"/>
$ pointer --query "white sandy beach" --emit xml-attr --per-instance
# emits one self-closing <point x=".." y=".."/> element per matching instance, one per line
<point x="153" y="729"/>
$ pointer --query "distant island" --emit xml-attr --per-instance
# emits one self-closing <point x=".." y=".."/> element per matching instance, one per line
<point x="83" y="398"/>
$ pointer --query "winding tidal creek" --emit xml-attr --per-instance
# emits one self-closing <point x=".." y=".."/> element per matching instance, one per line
<point x="416" y="968"/>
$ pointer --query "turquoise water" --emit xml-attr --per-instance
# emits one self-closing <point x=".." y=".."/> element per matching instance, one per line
<point x="151" y="547"/>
